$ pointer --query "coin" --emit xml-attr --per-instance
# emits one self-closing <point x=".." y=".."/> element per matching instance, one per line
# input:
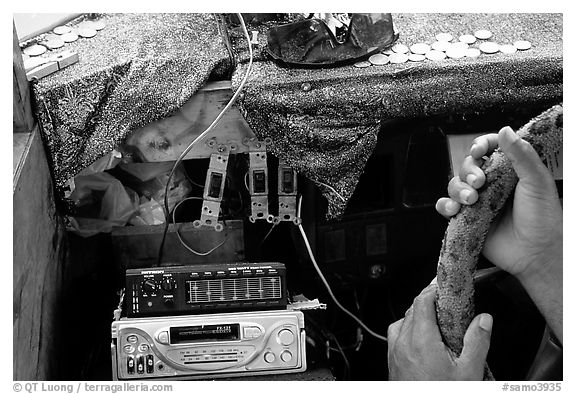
<point x="51" y="36"/>
<point x="25" y="57"/>
<point x="378" y="59"/>
<point x="440" y="46"/>
<point x="362" y="64"/>
<point x="462" y="46"/>
<point x="86" y="25"/>
<point x="388" y="51"/>
<point x="467" y="38"/>
<point x="54" y="43"/>
<point x="435" y="55"/>
<point x="400" y="48"/>
<point x="35" y="50"/>
<point x="489" y="47"/>
<point x="420" y="48"/>
<point x="62" y="29"/>
<point x="472" y="52"/>
<point x="508" y="49"/>
<point x="398" y="58"/>
<point x="416" y="57"/>
<point x="69" y="37"/>
<point x="483" y="34"/>
<point x="444" y="37"/>
<point x="456" y="53"/>
<point x="522" y="45"/>
<point x="98" y="25"/>
<point x="87" y="33"/>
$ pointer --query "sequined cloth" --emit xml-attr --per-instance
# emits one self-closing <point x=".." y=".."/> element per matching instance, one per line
<point x="138" y="69"/>
<point x="325" y="122"/>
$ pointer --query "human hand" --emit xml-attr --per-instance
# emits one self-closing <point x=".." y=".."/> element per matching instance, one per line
<point x="527" y="237"/>
<point x="416" y="350"/>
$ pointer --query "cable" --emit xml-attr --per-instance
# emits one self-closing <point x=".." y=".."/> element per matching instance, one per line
<point x="201" y="135"/>
<point x="332" y="190"/>
<point x="180" y="237"/>
<point x="309" y="249"/>
<point x="339" y="349"/>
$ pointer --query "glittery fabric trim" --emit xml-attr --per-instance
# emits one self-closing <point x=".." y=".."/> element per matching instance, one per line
<point x="139" y="69"/>
<point x="325" y="122"/>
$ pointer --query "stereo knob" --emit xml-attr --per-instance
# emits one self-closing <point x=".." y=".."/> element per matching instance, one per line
<point x="169" y="302"/>
<point x="168" y="284"/>
<point x="269" y="357"/>
<point x="285" y="337"/>
<point x="286" y="356"/>
<point x="149" y="286"/>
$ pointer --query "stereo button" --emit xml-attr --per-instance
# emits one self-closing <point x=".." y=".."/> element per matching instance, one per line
<point x="252" y="332"/>
<point x="140" y="364"/>
<point x="269" y="357"/>
<point x="163" y="337"/>
<point x="150" y="363"/>
<point x="132" y="338"/>
<point x="129" y="349"/>
<point x="285" y="337"/>
<point x="130" y="365"/>
<point x="286" y="356"/>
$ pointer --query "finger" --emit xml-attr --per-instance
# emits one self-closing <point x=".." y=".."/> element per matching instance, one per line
<point x="471" y="172"/>
<point x="394" y="331"/>
<point x="447" y="207"/>
<point x="477" y="341"/>
<point x="484" y="145"/>
<point x="424" y="315"/>
<point x="462" y="192"/>
<point x="525" y="160"/>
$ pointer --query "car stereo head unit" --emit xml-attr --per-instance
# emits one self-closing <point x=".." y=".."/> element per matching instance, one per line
<point x="207" y="346"/>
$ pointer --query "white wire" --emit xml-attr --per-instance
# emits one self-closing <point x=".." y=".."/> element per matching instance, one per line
<point x="224" y="110"/>
<point x="180" y="238"/>
<point x="360" y="322"/>
<point x="332" y="190"/>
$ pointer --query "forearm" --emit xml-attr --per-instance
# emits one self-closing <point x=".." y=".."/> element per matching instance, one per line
<point x="544" y="285"/>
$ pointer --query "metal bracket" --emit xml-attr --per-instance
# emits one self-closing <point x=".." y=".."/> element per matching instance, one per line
<point x="258" y="179"/>
<point x="287" y="192"/>
<point x="214" y="189"/>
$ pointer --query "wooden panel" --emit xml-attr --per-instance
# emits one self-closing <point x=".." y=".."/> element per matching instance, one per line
<point x="39" y="253"/>
<point x="166" y="139"/>
<point x="137" y="246"/>
<point x="22" y="118"/>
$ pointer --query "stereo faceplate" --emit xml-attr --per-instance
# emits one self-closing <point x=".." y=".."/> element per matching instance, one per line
<point x="210" y="288"/>
<point x="227" y="344"/>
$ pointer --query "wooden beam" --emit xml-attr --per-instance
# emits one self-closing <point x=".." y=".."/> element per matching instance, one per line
<point x="166" y="139"/>
<point x="22" y="118"/>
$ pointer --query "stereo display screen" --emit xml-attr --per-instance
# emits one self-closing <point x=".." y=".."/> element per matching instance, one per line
<point x="205" y="333"/>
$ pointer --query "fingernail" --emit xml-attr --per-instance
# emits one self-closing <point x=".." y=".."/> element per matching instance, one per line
<point x="465" y="194"/>
<point x="470" y="179"/>
<point x="451" y="206"/>
<point x="511" y="134"/>
<point x="485" y="322"/>
<point x="473" y="148"/>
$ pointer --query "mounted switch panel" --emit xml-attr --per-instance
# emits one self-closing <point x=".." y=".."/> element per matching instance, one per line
<point x="287" y="191"/>
<point x="258" y="179"/>
<point x="214" y="190"/>
<point x="216" y="185"/>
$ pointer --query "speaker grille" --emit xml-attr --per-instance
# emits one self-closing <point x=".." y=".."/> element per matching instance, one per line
<point x="237" y="289"/>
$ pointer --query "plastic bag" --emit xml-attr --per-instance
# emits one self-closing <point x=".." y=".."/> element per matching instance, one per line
<point x="102" y="202"/>
<point x="150" y="213"/>
<point x="151" y="181"/>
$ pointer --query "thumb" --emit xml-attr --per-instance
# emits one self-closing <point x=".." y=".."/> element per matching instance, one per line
<point x="525" y="160"/>
<point x="477" y="340"/>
